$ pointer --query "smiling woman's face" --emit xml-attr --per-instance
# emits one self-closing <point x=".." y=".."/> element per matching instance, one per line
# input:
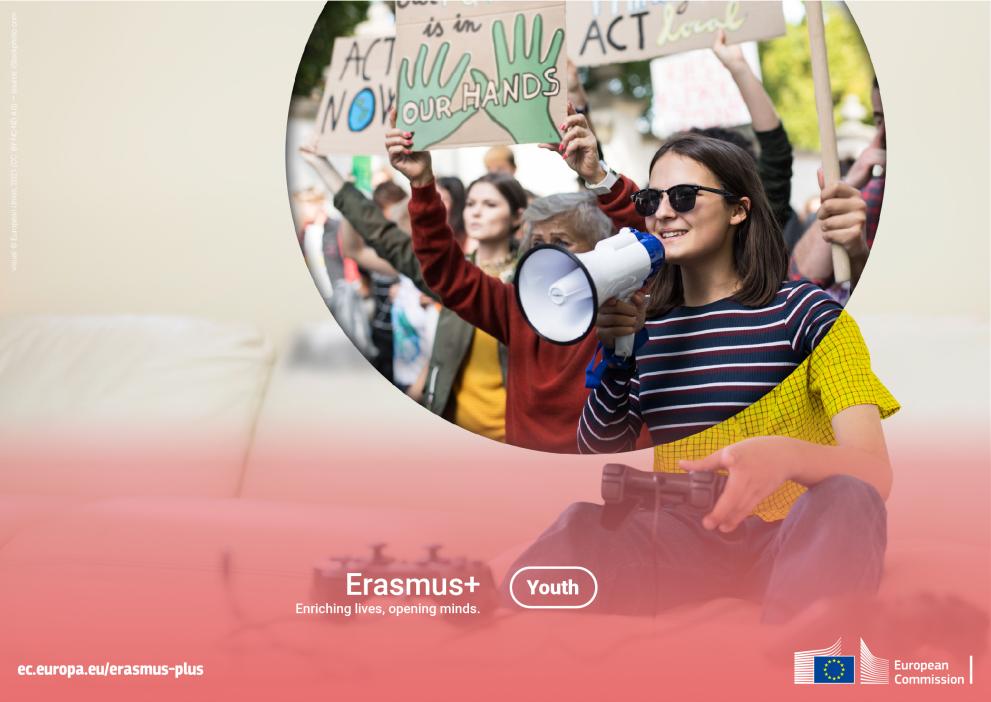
<point x="704" y="231"/>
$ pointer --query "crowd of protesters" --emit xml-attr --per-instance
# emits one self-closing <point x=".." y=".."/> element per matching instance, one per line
<point x="436" y="314"/>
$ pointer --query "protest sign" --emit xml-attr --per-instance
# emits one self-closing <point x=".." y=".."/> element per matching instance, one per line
<point x="610" y="31"/>
<point x="505" y="81"/>
<point x="694" y="89"/>
<point x="360" y="91"/>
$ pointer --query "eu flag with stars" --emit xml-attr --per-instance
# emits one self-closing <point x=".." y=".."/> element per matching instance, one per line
<point x="833" y="669"/>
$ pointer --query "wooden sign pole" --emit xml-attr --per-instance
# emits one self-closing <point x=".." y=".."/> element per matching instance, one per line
<point x="827" y="132"/>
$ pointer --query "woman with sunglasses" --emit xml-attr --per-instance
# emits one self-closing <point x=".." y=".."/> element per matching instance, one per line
<point x="733" y="371"/>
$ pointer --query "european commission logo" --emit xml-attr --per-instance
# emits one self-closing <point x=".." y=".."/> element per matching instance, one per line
<point x="833" y="669"/>
<point x="829" y="666"/>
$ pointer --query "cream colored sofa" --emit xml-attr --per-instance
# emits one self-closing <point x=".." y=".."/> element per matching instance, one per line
<point x="136" y="419"/>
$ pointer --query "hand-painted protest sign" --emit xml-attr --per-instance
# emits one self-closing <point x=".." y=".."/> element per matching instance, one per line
<point x="505" y="81"/>
<point x="694" y="89"/>
<point x="360" y="92"/>
<point x="611" y="31"/>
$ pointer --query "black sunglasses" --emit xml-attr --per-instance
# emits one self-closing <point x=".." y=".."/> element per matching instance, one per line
<point x="682" y="198"/>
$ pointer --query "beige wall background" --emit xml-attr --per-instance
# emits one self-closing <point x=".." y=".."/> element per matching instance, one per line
<point x="151" y="162"/>
<point x="150" y="174"/>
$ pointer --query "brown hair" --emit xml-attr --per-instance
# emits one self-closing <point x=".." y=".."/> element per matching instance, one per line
<point x="499" y="153"/>
<point x="759" y="253"/>
<point x="387" y="193"/>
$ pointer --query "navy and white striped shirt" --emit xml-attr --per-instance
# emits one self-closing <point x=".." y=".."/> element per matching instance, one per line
<point x="702" y="365"/>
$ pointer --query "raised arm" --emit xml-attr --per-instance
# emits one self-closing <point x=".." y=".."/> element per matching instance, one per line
<point x="330" y="176"/>
<point x="763" y="116"/>
<point x="481" y="300"/>
<point x="776" y="155"/>
<point x="353" y="247"/>
<point x="580" y="150"/>
<point x="372" y="240"/>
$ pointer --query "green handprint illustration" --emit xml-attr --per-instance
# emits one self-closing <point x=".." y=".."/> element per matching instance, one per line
<point x="423" y="101"/>
<point x="528" y="78"/>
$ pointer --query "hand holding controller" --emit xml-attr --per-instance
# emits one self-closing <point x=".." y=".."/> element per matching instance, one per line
<point x="625" y="489"/>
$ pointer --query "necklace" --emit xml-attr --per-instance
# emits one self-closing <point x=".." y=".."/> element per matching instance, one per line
<point x="498" y="269"/>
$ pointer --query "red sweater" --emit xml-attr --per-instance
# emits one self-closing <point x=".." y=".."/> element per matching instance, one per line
<point x="545" y="388"/>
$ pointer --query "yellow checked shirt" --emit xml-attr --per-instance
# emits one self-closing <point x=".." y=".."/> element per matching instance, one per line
<point x="836" y="375"/>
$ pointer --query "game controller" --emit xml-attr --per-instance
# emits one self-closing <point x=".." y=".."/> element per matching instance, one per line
<point x="331" y="577"/>
<point x="625" y="489"/>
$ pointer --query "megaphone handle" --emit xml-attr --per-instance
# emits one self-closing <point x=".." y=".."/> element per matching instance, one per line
<point x="624" y="346"/>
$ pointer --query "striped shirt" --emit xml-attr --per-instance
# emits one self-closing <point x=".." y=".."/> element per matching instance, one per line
<point x="701" y="365"/>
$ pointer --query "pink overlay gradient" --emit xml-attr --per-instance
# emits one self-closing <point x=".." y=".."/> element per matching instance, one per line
<point x="214" y="581"/>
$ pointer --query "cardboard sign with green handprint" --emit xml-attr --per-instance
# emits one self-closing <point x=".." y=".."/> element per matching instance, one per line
<point x="480" y="73"/>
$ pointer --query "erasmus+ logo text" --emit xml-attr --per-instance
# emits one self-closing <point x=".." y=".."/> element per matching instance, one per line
<point x="829" y="666"/>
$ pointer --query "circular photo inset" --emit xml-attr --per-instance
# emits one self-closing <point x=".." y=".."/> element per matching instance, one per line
<point x="574" y="229"/>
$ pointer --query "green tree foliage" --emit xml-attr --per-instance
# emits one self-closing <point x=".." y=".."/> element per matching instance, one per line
<point x="787" y="69"/>
<point x="337" y="19"/>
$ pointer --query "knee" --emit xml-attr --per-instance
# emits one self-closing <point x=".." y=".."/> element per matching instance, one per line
<point x="843" y="505"/>
<point x="579" y="514"/>
<point x="574" y="538"/>
<point x="574" y="530"/>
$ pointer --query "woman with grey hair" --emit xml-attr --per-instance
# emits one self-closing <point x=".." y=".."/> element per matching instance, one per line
<point x="570" y="220"/>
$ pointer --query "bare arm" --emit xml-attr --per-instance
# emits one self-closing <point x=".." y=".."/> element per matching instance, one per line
<point x="759" y="466"/>
<point x="812" y="255"/>
<point x="415" y="390"/>
<point x="331" y="177"/>
<point x="353" y="246"/>
<point x="860" y="451"/>
<point x="763" y="116"/>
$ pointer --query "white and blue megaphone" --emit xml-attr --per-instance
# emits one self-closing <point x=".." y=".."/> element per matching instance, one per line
<point x="560" y="292"/>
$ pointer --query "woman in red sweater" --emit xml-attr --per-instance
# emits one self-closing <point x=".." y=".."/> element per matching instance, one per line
<point x="545" y="388"/>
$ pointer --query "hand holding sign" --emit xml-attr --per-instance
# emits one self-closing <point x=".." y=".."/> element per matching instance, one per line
<point x="730" y="55"/>
<point x="579" y="147"/>
<point x="417" y="166"/>
<point x="524" y="75"/>
<point x="427" y="99"/>
<point x="842" y="217"/>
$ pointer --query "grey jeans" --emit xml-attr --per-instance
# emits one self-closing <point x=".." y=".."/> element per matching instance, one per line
<point x="831" y="543"/>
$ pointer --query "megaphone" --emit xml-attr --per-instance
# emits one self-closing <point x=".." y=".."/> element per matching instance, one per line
<point x="559" y="292"/>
